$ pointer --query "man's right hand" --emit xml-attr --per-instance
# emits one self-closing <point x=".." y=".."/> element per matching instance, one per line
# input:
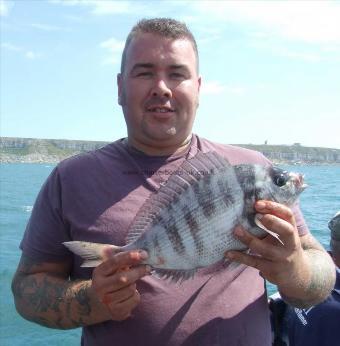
<point x="114" y="282"/>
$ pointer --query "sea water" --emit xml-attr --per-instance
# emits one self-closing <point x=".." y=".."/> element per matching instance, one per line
<point x="19" y="186"/>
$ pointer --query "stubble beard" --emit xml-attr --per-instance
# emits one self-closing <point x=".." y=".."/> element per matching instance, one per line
<point x="158" y="131"/>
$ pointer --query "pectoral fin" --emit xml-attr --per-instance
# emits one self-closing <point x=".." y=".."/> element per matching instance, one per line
<point x="262" y="226"/>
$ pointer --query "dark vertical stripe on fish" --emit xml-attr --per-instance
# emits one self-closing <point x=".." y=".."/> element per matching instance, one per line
<point x="175" y="238"/>
<point x="208" y="208"/>
<point x="158" y="219"/>
<point x="193" y="228"/>
<point x="157" y="247"/>
<point x="222" y="186"/>
<point x="246" y="178"/>
<point x="197" y="190"/>
<point x="228" y="197"/>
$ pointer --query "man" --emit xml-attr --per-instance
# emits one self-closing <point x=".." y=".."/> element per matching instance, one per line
<point x="319" y="325"/>
<point x="94" y="197"/>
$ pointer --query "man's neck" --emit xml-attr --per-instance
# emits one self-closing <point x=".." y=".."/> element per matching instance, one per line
<point x="159" y="150"/>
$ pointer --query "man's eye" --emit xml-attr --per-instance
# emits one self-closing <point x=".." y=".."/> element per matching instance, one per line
<point x="177" y="75"/>
<point x="144" y="74"/>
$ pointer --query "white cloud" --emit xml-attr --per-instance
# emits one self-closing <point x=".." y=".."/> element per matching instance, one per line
<point x="113" y="44"/>
<point x="215" y="88"/>
<point x="11" y="47"/>
<point x="114" y="49"/>
<point x="115" y="7"/>
<point x="212" y="88"/>
<point x="47" y="27"/>
<point x="100" y="7"/>
<point x="308" y="21"/>
<point x="129" y="7"/>
<point x="73" y="18"/>
<point x="5" y="6"/>
<point x="297" y="53"/>
<point x="29" y="54"/>
<point x="308" y="57"/>
<point x="67" y="2"/>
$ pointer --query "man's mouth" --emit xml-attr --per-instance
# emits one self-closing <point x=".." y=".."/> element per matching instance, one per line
<point x="160" y="109"/>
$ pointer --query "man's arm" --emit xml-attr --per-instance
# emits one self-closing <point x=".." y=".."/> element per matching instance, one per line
<point x="321" y="278"/>
<point x="301" y="268"/>
<point x="44" y="294"/>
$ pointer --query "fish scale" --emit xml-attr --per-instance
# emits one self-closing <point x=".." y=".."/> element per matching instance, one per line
<point x="188" y="223"/>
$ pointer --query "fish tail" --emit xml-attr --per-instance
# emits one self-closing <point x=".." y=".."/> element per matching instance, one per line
<point x="93" y="254"/>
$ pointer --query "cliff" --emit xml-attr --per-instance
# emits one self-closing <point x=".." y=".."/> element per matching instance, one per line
<point x="297" y="154"/>
<point x="13" y="149"/>
<point x="33" y="150"/>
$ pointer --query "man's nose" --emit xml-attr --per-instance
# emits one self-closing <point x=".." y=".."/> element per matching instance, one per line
<point x="161" y="88"/>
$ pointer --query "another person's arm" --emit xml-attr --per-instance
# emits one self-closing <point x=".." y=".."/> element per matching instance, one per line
<point x="301" y="268"/>
<point x="44" y="294"/>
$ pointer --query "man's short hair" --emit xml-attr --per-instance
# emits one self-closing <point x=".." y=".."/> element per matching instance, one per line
<point x="165" y="27"/>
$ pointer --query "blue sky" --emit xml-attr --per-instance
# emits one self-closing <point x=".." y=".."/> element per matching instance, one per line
<point x="270" y="70"/>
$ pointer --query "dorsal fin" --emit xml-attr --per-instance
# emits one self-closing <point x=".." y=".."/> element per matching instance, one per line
<point x="189" y="173"/>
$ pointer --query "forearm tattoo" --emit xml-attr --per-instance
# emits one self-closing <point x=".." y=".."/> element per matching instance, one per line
<point x="51" y="300"/>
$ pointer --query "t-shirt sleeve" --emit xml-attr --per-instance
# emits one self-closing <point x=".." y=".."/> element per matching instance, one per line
<point x="47" y="228"/>
<point x="299" y="219"/>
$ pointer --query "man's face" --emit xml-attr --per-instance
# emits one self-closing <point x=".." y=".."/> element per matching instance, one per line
<point x="159" y="90"/>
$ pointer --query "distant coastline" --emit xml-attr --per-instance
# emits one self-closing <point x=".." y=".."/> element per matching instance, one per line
<point x="33" y="150"/>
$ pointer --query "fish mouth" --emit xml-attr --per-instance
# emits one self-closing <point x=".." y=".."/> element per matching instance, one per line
<point x="298" y="180"/>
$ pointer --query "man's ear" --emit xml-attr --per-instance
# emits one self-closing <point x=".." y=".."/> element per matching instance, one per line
<point x="199" y="81"/>
<point x="120" y="87"/>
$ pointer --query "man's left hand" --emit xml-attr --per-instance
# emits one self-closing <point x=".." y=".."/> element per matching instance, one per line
<point x="300" y="267"/>
<point x="277" y="263"/>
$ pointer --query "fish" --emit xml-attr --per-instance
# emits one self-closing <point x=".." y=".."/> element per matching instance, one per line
<point x="188" y="222"/>
<point x="334" y="226"/>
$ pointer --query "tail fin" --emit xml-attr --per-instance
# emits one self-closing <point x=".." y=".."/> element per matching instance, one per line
<point x="92" y="253"/>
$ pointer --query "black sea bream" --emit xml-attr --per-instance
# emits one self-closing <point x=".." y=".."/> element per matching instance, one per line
<point x="188" y="223"/>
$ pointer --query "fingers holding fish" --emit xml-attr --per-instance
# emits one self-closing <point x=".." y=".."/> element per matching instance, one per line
<point x="119" y="296"/>
<point x="279" y="219"/>
<point x="272" y="263"/>
<point x="123" y="278"/>
<point x="120" y="304"/>
<point x="121" y="260"/>
<point x="274" y="260"/>
<point x="117" y="273"/>
<point x="113" y="282"/>
<point x="118" y="292"/>
<point x="260" y="247"/>
<point x="277" y="209"/>
<point x="251" y="260"/>
<point x="287" y="233"/>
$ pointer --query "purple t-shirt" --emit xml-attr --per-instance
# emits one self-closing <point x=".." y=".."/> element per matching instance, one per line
<point x="94" y="197"/>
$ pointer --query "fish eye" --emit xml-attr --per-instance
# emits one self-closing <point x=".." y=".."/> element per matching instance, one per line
<point x="280" y="180"/>
<point x="279" y="176"/>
